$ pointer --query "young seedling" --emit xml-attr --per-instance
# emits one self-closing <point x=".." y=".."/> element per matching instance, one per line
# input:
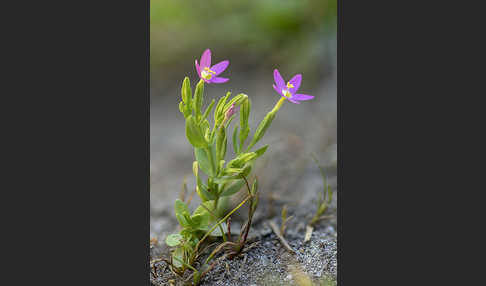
<point x="183" y="193"/>
<point x="325" y="198"/>
<point x="217" y="177"/>
<point x="285" y="219"/>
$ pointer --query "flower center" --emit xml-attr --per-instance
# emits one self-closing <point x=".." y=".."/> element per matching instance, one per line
<point x="286" y="93"/>
<point x="206" y="73"/>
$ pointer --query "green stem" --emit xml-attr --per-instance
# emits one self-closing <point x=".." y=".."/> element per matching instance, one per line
<point x="266" y="121"/>
<point x="185" y="264"/>
<point x="216" y="204"/>
<point x="215" y="217"/>
<point x="210" y="157"/>
<point x="279" y="104"/>
<point x="221" y="221"/>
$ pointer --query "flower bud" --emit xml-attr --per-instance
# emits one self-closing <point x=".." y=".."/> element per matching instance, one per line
<point x="232" y="110"/>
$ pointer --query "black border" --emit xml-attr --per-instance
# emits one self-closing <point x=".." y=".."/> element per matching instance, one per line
<point x="75" y="193"/>
<point x="403" y="155"/>
<point x="76" y="183"/>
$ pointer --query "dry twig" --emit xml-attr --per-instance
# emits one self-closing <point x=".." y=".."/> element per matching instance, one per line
<point x="276" y="230"/>
<point x="308" y="233"/>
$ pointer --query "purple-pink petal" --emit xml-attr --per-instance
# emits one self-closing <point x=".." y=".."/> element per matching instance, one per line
<point x="278" y="79"/>
<point x="218" y="80"/>
<point x="293" y="101"/>
<point x="205" y="59"/>
<point x="295" y="81"/>
<point x="198" y="70"/>
<point x="302" y="97"/>
<point x="279" y="91"/>
<point x="220" y="67"/>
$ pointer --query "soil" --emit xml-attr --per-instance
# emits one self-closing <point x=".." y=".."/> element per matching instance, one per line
<point x="287" y="176"/>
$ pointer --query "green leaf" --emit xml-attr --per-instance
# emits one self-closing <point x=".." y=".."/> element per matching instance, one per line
<point x="261" y="151"/>
<point x="196" y="277"/>
<point x="200" y="210"/>
<point x="195" y="168"/>
<point x="178" y="256"/>
<point x="227" y="123"/>
<point x="235" y="140"/>
<point x="232" y="171"/>
<point x="187" y="231"/>
<point x="233" y="188"/>
<point x="204" y="124"/>
<point x="201" y="189"/>
<point x="218" y="107"/>
<point x="217" y="231"/>
<point x="198" y="99"/>
<point x="237" y="100"/>
<point x="243" y="135"/>
<point x="244" y="112"/>
<point x="182" y="213"/>
<point x="202" y="158"/>
<point x="204" y="215"/>
<point x="186" y="91"/>
<point x="181" y="107"/>
<point x="188" y="218"/>
<point x="186" y="105"/>
<point x="204" y="193"/>
<point x="210" y="107"/>
<point x="221" y="163"/>
<point x="220" y="144"/>
<point x="173" y="239"/>
<point x="245" y="171"/>
<point x="224" y="179"/>
<point x="244" y="116"/>
<point x="261" y="129"/>
<point x="218" y="112"/>
<point x="196" y="221"/>
<point x="194" y="133"/>
<point x="182" y="221"/>
<point x="254" y="192"/>
<point x="223" y="152"/>
<point x="327" y="190"/>
<point x="329" y="194"/>
<point x="254" y="187"/>
<point x="242" y="159"/>
<point x="181" y="207"/>
<point x="246" y="109"/>
<point x="214" y="161"/>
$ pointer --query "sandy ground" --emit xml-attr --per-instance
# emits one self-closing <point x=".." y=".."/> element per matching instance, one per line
<point x="287" y="175"/>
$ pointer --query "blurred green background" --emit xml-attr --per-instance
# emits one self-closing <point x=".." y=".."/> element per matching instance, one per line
<point x="255" y="35"/>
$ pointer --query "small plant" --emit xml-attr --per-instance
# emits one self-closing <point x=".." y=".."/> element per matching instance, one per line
<point x="285" y="219"/>
<point x="325" y="197"/>
<point x="216" y="177"/>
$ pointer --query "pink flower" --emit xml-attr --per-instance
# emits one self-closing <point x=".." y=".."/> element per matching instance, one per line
<point x="289" y="90"/>
<point x="210" y="73"/>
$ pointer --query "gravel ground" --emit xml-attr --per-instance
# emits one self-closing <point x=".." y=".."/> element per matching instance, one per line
<point x="287" y="176"/>
<point x="268" y="262"/>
